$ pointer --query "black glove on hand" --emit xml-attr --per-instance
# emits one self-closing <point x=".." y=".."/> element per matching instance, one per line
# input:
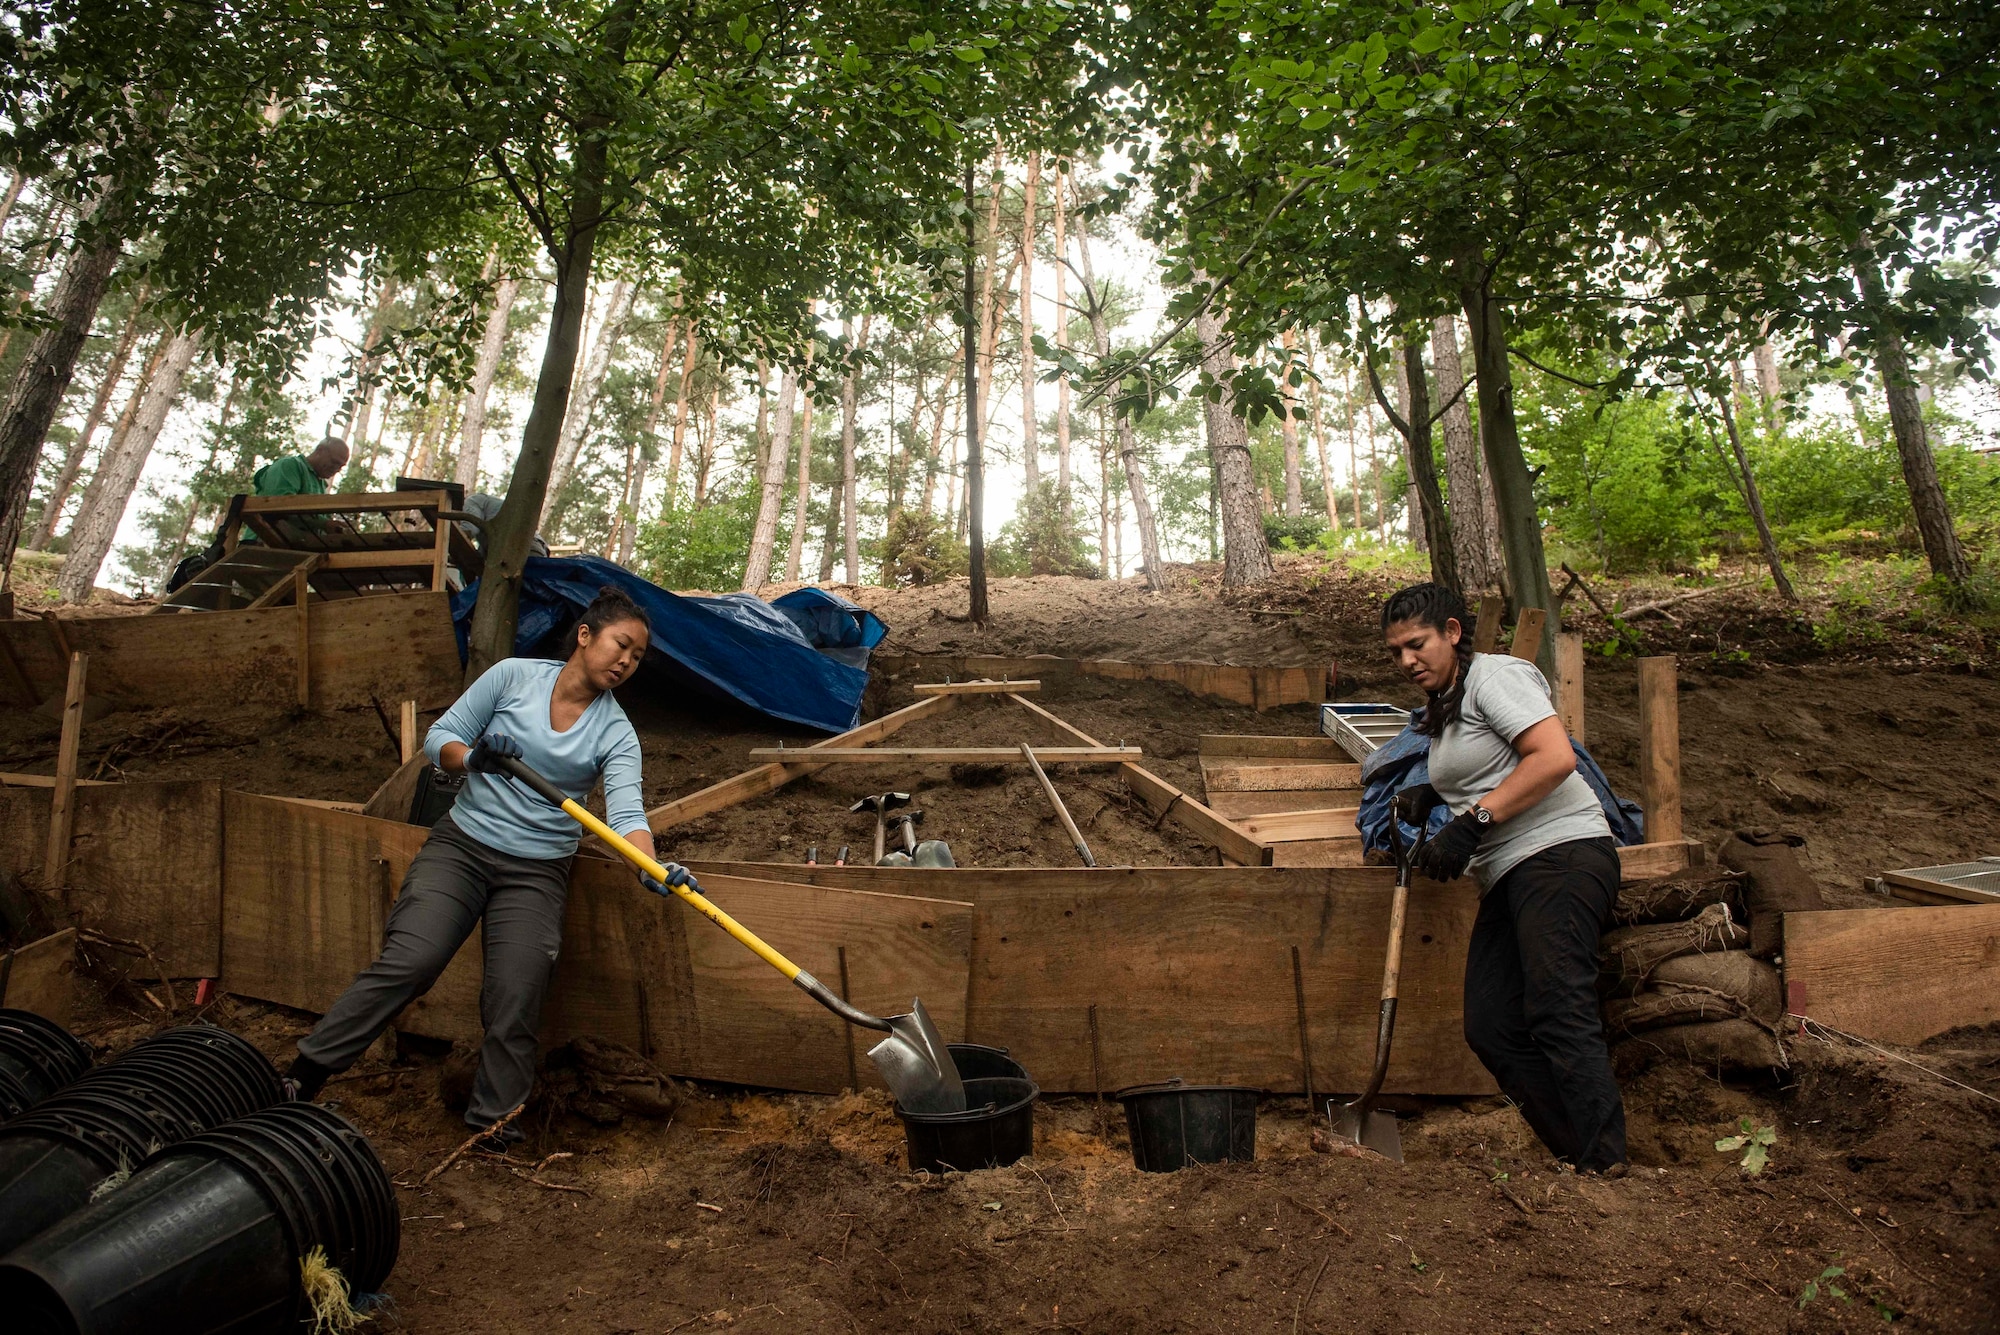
<point x="676" y="875"/>
<point x="488" y="750"/>
<point x="1445" y="857"/>
<point x="1414" y="805"/>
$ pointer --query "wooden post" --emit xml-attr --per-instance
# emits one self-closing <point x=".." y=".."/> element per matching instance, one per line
<point x="442" y="553"/>
<point x="1486" y="629"/>
<point x="1569" y="682"/>
<point x="302" y="595"/>
<point x="62" y="805"/>
<point x="409" y="726"/>
<point x="1528" y="633"/>
<point x="1660" y="749"/>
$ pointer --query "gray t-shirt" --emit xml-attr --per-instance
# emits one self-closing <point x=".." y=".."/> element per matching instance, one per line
<point x="1504" y="697"/>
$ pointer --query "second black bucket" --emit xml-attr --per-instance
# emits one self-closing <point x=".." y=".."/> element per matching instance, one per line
<point x="1175" y="1124"/>
<point x="976" y="1061"/>
<point x="996" y="1128"/>
<point x="37" y="1058"/>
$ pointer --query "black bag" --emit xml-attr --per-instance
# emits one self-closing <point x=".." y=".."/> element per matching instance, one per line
<point x="436" y="791"/>
<point x="195" y="564"/>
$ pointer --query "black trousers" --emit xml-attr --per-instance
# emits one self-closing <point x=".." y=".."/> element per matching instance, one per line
<point x="1531" y="1009"/>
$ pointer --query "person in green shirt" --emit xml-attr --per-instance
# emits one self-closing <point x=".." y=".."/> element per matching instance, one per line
<point x="302" y="475"/>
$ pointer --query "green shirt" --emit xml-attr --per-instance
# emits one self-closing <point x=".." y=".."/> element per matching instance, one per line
<point x="289" y="476"/>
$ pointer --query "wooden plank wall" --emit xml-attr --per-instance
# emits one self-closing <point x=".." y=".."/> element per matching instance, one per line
<point x="1894" y="975"/>
<point x="1259" y="687"/>
<point x="394" y="647"/>
<point x="1190" y="970"/>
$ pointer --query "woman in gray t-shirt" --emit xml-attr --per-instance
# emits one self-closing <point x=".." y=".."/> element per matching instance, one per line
<point x="1532" y="834"/>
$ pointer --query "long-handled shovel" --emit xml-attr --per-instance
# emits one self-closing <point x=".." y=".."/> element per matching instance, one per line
<point x="913" y="1059"/>
<point x="1361" y="1121"/>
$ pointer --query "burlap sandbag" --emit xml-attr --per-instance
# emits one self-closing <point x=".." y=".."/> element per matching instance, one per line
<point x="1631" y="954"/>
<point x="1726" y="985"/>
<point x="1679" y="896"/>
<point x="1779" y="884"/>
<point x="1727" y="1045"/>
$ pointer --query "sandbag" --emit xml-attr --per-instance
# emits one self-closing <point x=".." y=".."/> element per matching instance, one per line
<point x="1779" y="884"/>
<point x="1737" y="974"/>
<point x="1679" y="896"/>
<point x="1630" y="954"/>
<point x="1727" y="1045"/>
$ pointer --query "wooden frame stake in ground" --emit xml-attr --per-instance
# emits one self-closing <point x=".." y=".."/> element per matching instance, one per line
<point x="62" y="805"/>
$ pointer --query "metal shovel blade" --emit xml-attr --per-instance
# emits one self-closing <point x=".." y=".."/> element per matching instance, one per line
<point x="916" y="1065"/>
<point x="1370" y="1128"/>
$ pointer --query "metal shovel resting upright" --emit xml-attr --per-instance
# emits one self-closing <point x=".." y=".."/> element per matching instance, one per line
<point x="913" y="1059"/>
<point x="1361" y="1121"/>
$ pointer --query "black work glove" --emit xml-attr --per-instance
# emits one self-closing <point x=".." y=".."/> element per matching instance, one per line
<point x="676" y="875"/>
<point x="1445" y="857"/>
<point x="1414" y="805"/>
<point x="485" y="754"/>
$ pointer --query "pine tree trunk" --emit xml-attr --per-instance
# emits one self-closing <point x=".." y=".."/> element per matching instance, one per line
<point x="510" y="536"/>
<point x="355" y="414"/>
<point x="1128" y="444"/>
<point x="1031" y="450"/>
<point x="1507" y="467"/>
<point x="802" y="495"/>
<point x="771" y="498"/>
<point x="635" y="489"/>
<point x="472" y="431"/>
<point x="44" y="374"/>
<point x="1906" y="420"/>
<point x="978" y="375"/>
<point x="1754" y="500"/>
<point x="1062" y="340"/>
<point x="691" y="350"/>
<point x="1461" y="458"/>
<point x="1246" y="556"/>
<point x="710" y="443"/>
<point x="110" y="489"/>
<point x="583" y="397"/>
<point x="79" y="450"/>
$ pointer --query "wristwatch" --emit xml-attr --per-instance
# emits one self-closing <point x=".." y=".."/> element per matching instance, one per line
<point x="1483" y="816"/>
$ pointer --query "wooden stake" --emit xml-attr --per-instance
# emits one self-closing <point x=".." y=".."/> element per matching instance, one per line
<point x="1096" y="1073"/>
<point x="62" y="805"/>
<point x="1055" y="800"/>
<point x="302" y="595"/>
<point x="1528" y="634"/>
<point x="1486" y="632"/>
<point x="1569" y="682"/>
<point x="409" y="726"/>
<point x="974" y="687"/>
<point x="1660" y="748"/>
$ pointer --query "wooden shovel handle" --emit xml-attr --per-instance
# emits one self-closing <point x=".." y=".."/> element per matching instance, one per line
<point x="1392" y="966"/>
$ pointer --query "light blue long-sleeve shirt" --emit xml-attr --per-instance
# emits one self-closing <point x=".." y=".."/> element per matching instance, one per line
<point x="512" y="697"/>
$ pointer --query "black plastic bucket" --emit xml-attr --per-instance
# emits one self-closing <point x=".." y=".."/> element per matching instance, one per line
<point x="208" y="1237"/>
<point x="976" y="1061"/>
<point x="37" y="1058"/>
<point x="996" y="1128"/>
<point x="1176" y="1124"/>
<point x="177" y="1084"/>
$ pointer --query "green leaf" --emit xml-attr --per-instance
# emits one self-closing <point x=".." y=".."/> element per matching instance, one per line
<point x="971" y="55"/>
<point x="1319" y="120"/>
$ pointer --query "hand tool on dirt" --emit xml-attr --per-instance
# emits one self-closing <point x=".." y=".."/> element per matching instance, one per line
<point x="913" y="1059"/>
<point x="881" y="804"/>
<point x="812" y="856"/>
<point x="906" y="825"/>
<point x="1055" y="800"/>
<point x="1361" y="1121"/>
<point x="840" y="858"/>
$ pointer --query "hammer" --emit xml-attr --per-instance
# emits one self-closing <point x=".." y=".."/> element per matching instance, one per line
<point x="881" y="804"/>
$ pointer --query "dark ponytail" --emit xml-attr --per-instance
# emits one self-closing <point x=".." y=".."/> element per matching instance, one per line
<point x="1433" y="605"/>
<point x="610" y="606"/>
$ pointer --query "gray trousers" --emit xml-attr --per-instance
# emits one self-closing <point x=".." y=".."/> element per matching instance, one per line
<point x="452" y="884"/>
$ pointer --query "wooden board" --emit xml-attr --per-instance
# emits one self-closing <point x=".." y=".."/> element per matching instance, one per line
<point x="1660" y="747"/>
<point x="755" y="783"/>
<point x="975" y="687"/>
<point x="1246" y="746"/>
<point x="1190" y="969"/>
<point x="392" y="647"/>
<point x="1642" y="862"/>
<point x="1228" y="778"/>
<point x="1259" y="687"/>
<point x="1895" y="975"/>
<point x="145" y="864"/>
<point x="1319" y="853"/>
<point x="952" y="755"/>
<point x="41" y="976"/>
<point x="1238" y="805"/>
<point x="1321" y="823"/>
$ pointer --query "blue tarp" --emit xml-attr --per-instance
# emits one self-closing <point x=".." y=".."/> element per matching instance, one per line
<point x="802" y="658"/>
<point x="1404" y="761"/>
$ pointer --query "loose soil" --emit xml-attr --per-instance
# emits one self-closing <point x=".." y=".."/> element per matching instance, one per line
<point x="789" y="1212"/>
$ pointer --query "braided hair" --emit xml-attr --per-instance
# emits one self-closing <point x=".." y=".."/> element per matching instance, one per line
<point x="1433" y="605"/>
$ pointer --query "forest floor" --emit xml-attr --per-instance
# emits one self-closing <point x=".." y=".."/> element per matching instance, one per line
<point x="769" y="1212"/>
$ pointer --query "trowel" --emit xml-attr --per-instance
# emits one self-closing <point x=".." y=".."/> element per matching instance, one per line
<point x="1361" y="1121"/>
<point x="913" y="1060"/>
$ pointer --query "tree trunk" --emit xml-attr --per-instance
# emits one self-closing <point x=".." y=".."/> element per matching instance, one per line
<point x="13" y="197"/>
<point x="44" y="374"/>
<point x="110" y="489"/>
<point x="1906" y="421"/>
<point x="1104" y="497"/>
<point x="1062" y="340"/>
<point x="472" y="432"/>
<point x="1128" y="443"/>
<point x="635" y="488"/>
<point x="1754" y="499"/>
<point x="1246" y="556"/>
<point x="1507" y="468"/>
<point x="512" y="532"/>
<point x="1769" y="391"/>
<point x="691" y="351"/>
<point x="1318" y="424"/>
<point x="802" y="499"/>
<point x="179" y="549"/>
<point x="1423" y="469"/>
<point x="80" y="448"/>
<point x="975" y="483"/>
<point x="1030" y="429"/>
<point x="1461" y="458"/>
<point x="850" y="503"/>
<point x="1353" y="451"/>
<point x="354" y="416"/>
<point x="583" y="398"/>
<point x="1288" y="429"/>
<point x="771" y="501"/>
<point x="710" y="442"/>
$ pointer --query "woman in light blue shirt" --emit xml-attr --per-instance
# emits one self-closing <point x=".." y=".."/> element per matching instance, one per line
<point x="502" y="855"/>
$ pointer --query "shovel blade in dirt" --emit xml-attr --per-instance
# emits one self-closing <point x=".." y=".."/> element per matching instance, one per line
<point x="1370" y="1128"/>
<point x="916" y="1065"/>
